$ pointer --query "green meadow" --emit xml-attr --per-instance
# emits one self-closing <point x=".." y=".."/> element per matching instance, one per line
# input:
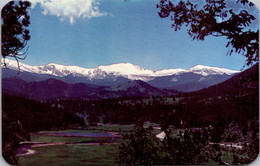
<point x="77" y="150"/>
<point x="71" y="155"/>
<point x="83" y="150"/>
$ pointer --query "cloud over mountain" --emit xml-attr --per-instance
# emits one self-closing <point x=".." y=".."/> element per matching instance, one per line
<point x="70" y="9"/>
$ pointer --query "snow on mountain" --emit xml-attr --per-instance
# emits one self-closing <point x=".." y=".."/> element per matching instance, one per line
<point x="167" y="72"/>
<point x="207" y="70"/>
<point x="57" y="70"/>
<point x="126" y="70"/>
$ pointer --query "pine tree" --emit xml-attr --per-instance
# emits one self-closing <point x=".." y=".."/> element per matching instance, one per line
<point x="15" y="33"/>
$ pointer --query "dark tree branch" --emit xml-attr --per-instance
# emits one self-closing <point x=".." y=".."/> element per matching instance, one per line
<point x="15" y="35"/>
<point x="202" y="22"/>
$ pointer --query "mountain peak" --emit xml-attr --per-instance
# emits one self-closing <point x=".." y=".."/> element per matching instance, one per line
<point x="200" y="66"/>
<point x="126" y="69"/>
<point x="208" y="70"/>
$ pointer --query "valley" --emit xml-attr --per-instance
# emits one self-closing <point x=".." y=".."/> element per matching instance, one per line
<point x="78" y="121"/>
<point x="129" y="82"/>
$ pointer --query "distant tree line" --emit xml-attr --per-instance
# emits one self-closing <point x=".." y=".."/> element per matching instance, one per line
<point x="193" y="111"/>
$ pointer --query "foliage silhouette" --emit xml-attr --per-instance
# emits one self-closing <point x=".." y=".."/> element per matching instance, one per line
<point x="216" y="19"/>
<point x="141" y="147"/>
<point x="15" y="33"/>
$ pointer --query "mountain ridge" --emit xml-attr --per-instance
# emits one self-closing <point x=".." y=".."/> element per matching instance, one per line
<point x="123" y="69"/>
<point x="243" y="83"/>
<point x="195" y="78"/>
<point x="51" y="89"/>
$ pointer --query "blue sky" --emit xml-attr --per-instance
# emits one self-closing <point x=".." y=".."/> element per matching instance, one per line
<point x="118" y="32"/>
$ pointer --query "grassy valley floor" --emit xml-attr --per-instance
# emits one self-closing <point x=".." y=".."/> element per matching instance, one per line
<point x="49" y="148"/>
<point x="46" y="148"/>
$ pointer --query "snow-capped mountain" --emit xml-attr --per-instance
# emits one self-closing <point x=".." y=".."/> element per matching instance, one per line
<point x="195" y="78"/>
<point x="126" y="70"/>
<point x="207" y="70"/>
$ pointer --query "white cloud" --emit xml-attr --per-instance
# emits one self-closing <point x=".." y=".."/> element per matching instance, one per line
<point x="70" y="9"/>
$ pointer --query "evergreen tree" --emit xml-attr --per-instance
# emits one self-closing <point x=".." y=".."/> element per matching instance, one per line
<point x="143" y="148"/>
<point x="15" y="33"/>
<point x="140" y="148"/>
